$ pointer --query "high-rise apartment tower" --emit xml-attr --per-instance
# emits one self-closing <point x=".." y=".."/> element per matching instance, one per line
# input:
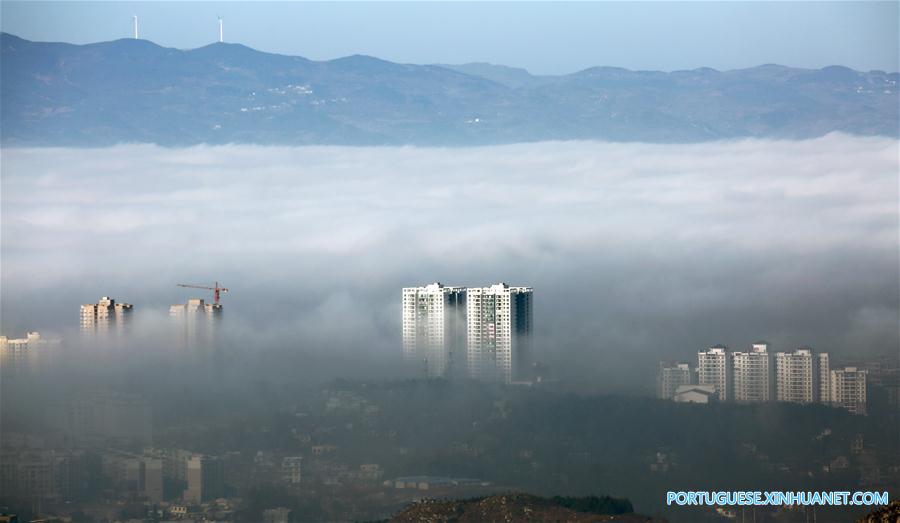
<point x="714" y="368"/>
<point x="434" y="329"/>
<point x="499" y="326"/>
<point x="754" y="374"/>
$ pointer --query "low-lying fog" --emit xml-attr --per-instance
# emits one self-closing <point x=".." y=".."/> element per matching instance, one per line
<point x="636" y="252"/>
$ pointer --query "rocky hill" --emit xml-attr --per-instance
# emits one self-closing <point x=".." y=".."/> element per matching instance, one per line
<point x="888" y="514"/>
<point x="509" y="508"/>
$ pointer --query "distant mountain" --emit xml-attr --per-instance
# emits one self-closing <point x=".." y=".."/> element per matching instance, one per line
<point x="509" y="76"/>
<point x="136" y="91"/>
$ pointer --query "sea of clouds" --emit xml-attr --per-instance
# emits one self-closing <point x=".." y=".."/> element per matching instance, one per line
<point x="636" y="252"/>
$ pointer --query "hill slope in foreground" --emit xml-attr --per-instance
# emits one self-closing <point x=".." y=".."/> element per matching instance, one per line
<point x="514" y="507"/>
<point x="888" y="514"/>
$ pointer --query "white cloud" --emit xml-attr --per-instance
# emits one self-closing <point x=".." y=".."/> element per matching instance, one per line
<point x="638" y="246"/>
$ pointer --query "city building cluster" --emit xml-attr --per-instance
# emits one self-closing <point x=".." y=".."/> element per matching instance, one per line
<point x="101" y="453"/>
<point x="480" y="332"/>
<point x="106" y="316"/>
<point x="758" y="375"/>
<point x="107" y="321"/>
<point x="39" y="470"/>
<point x="349" y="451"/>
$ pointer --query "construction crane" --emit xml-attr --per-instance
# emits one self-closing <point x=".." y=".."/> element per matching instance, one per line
<point x="216" y="289"/>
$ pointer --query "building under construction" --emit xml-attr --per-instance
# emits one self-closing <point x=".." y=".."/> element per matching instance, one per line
<point x="198" y="317"/>
<point x="195" y="307"/>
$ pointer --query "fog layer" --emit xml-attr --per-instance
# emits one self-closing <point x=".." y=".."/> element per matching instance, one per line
<point x="636" y="252"/>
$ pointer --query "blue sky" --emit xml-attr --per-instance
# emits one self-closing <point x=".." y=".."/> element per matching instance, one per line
<point x="545" y="38"/>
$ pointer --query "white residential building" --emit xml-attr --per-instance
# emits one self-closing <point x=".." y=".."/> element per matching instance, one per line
<point x="824" y="377"/>
<point x="105" y="315"/>
<point x="753" y="374"/>
<point x="434" y="329"/>
<point x="714" y="368"/>
<point x="799" y="376"/>
<point x="848" y="389"/>
<point x="499" y="329"/>
<point x="670" y="377"/>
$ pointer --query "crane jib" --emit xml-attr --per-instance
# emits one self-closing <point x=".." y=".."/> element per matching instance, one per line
<point x="215" y="288"/>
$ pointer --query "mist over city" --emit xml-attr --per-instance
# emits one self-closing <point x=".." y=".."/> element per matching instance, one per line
<point x="593" y="262"/>
<point x="638" y="250"/>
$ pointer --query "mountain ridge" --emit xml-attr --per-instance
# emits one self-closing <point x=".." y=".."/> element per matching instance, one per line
<point x="126" y="91"/>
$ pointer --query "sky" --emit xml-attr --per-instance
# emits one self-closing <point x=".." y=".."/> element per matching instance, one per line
<point x="543" y="37"/>
<point x="636" y="252"/>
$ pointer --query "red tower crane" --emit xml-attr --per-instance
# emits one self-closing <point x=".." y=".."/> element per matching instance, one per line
<point x="216" y="289"/>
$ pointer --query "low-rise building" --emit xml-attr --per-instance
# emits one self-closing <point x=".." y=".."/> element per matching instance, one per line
<point x="695" y="394"/>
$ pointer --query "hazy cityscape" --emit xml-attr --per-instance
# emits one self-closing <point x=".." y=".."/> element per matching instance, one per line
<point x="320" y="262"/>
<point x="334" y="450"/>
